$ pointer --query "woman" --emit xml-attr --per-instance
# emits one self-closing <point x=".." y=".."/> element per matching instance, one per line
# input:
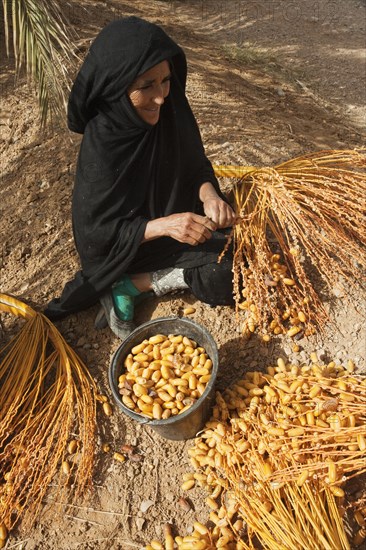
<point x="146" y="204"/>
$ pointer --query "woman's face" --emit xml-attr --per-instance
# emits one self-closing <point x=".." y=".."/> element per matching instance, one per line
<point x="148" y="91"/>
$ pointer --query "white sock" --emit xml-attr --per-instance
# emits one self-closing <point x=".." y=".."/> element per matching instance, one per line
<point x="167" y="280"/>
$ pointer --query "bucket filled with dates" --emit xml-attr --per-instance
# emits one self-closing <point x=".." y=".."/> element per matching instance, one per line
<point x="163" y="375"/>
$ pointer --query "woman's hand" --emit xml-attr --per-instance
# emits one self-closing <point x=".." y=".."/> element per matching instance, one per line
<point x="219" y="212"/>
<point x="215" y="208"/>
<point x="185" y="227"/>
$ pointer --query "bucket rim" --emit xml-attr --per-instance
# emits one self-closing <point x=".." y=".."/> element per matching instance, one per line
<point x="140" y="418"/>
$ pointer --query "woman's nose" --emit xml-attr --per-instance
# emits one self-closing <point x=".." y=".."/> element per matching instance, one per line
<point x="159" y="96"/>
<point x="159" y="99"/>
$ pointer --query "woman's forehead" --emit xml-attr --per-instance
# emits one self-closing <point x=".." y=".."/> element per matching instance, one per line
<point x="162" y="69"/>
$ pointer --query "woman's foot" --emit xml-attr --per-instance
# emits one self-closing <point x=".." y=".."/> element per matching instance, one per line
<point x="123" y="295"/>
<point x="101" y="319"/>
<point x="167" y="280"/>
<point x="120" y="328"/>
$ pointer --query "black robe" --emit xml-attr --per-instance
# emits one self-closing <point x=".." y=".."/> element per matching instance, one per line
<point x="128" y="171"/>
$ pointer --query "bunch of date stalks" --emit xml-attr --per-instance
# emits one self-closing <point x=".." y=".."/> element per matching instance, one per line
<point x="300" y="229"/>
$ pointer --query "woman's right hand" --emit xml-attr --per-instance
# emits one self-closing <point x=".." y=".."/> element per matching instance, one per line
<point x="185" y="227"/>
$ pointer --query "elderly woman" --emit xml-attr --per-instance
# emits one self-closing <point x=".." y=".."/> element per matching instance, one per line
<point x="148" y="213"/>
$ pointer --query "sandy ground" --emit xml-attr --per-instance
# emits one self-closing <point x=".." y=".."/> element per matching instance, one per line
<point x="267" y="81"/>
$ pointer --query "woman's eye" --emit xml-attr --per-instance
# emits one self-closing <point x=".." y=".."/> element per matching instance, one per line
<point x="148" y="86"/>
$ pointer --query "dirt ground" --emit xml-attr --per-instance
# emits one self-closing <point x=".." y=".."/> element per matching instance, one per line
<point x="267" y="81"/>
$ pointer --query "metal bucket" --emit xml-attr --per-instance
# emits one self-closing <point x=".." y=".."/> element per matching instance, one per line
<point x="187" y="424"/>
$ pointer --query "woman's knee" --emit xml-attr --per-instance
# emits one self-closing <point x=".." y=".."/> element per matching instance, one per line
<point x="212" y="283"/>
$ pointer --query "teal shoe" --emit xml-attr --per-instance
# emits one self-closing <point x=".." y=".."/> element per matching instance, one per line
<point x="123" y="294"/>
<point x="108" y="316"/>
<point x="124" y="306"/>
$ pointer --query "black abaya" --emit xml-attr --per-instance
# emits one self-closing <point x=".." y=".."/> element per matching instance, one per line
<point x="129" y="172"/>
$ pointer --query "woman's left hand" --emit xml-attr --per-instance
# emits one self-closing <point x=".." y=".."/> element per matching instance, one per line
<point x="219" y="212"/>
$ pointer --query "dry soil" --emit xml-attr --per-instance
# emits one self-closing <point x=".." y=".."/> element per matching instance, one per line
<point x="267" y="81"/>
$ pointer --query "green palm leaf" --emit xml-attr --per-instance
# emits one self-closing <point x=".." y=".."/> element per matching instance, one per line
<point x="44" y="47"/>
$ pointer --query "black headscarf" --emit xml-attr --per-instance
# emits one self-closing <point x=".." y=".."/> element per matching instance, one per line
<point x="128" y="171"/>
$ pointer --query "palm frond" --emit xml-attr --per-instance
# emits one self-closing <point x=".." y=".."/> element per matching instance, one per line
<point x="43" y="46"/>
